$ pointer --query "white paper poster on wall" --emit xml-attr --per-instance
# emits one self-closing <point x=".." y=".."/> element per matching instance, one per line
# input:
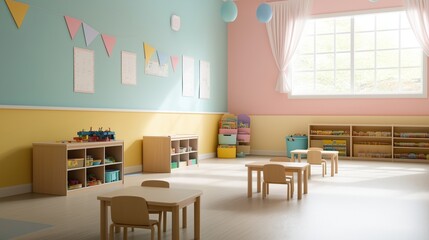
<point x="188" y="76"/>
<point x="129" y="68"/>
<point x="83" y="70"/>
<point x="204" y="80"/>
<point x="152" y="67"/>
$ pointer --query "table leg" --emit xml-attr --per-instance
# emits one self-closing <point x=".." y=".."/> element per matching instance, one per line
<point x="259" y="181"/>
<point x="175" y="222"/>
<point x="249" y="182"/>
<point x="299" y="184"/>
<point x="332" y="165"/>
<point x="306" y="179"/>
<point x="103" y="220"/>
<point x="336" y="163"/>
<point x="184" y="217"/>
<point x="197" y="206"/>
<point x="299" y="157"/>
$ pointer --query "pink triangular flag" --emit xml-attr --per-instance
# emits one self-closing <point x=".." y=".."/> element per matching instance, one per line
<point x="109" y="43"/>
<point x="90" y="33"/>
<point x="174" y="62"/>
<point x="73" y="25"/>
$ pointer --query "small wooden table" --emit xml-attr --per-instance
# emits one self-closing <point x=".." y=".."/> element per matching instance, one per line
<point x="164" y="199"/>
<point x="300" y="168"/>
<point x="333" y="155"/>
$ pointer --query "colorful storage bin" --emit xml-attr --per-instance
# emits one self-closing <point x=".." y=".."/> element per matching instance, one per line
<point x="243" y="137"/>
<point x="174" y="165"/>
<point x="226" y="152"/>
<point x="112" y="175"/>
<point x="192" y="162"/>
<point x="227" y="138"/>
<point x="75" y="163"/>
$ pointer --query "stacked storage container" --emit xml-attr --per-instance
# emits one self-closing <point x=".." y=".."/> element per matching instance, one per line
<point x="227" y="137"/>
<point x="243" y="136"/>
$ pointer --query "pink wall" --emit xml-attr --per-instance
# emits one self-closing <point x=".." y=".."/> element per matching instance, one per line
<point x="252" y="71"/>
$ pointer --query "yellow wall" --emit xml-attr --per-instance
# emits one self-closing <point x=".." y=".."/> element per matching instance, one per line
<point x="20" y="128"/>
<point x="268" y="132"/>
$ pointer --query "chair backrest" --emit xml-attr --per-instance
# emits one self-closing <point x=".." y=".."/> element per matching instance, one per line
<point x="315" y="148"/>
<point x="155" y="183"/>
<point x="274" y="173"/>
<point x="280" y="159"/>
<point x="314" y="156"/>
<point x="129" y="210"/>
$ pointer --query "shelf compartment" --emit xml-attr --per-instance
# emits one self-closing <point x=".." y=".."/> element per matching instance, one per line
<point x="76" y="179"/>
<point x="372" y="151"/>
<point x="330" y="130"/>
<point x="94" y="176"/>
<point x="113" y="153"/>
<point x="411" y="131"/>
<point x="95" y="154"/>
<point x="371" y="131"/>
<point x="112" y="175"/>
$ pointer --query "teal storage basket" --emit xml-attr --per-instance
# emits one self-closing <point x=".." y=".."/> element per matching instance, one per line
<point x="296" y="142"/>
<point x="111" y="175"/>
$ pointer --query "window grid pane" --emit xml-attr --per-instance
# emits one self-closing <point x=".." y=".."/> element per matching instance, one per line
<point x="371" y="54"/>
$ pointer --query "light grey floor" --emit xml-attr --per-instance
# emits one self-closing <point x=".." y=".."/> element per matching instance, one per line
<point x="365" y="200"/>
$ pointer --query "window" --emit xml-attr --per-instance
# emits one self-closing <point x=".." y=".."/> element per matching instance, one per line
<point x="366" y="55"/>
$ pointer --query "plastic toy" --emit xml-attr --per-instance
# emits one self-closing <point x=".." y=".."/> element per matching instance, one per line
<point x="95" y="136"/>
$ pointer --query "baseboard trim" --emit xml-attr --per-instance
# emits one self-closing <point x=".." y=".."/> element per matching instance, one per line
<point x="206" y="156"/>
<point x="15" y="190"/>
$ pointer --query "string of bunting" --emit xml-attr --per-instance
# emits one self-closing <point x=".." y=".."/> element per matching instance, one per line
<point x="19" y="10"/>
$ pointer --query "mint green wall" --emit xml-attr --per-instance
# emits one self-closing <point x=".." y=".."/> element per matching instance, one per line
<point x="36" y="61"/>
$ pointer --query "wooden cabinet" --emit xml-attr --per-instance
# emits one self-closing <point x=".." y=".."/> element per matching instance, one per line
<point x="59" y="168"/>
<point x="163" y="153"/>
<point x="405" y="143"/>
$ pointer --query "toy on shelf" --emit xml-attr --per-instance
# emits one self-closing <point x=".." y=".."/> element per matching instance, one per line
<point x="95" y="136"/>
<point x="92" y="180"/>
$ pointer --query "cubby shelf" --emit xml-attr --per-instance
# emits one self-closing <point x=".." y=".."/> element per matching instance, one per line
<point x="163" y="153"/>
<point x="59" y="168"/>
<point x="402" y="143"/>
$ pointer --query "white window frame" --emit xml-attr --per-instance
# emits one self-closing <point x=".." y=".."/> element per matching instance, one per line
<point x="354" y="95"/>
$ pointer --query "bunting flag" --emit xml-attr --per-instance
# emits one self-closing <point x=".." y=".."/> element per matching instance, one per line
<point x="90" y="33"/>
<point x="18" y="11"/>
<point x="174" y="62"/>
<point x="162" y="58"/>
<point x="73" y="25"/>
<point x="148" y="51"/>
<point x="109" y="43"/>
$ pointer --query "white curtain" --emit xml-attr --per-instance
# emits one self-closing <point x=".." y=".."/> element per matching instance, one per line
<point x="418" y="16"/>
<point x="284" y="32"/>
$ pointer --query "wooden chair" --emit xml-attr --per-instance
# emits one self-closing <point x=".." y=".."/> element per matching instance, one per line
<point x="131" y="211"/>
<point x="274" y="174"/>
<point x="160" y="184"/>
<point x="163" y="215"/>
<point x="288" y="175"/>
<point x="314" y="157"/>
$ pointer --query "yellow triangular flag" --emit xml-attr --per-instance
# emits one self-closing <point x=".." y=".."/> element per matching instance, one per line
<point x="148" y="51"/>
<point x="18" y="11"/>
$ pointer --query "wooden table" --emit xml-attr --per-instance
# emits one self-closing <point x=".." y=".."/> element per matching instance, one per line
<point x="333" y="155"/>
<point x="300" y="168"/>
<point x="164" y="199"/>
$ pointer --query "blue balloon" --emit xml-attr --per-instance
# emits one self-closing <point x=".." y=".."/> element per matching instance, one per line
<point x="229" y="11"/>
<point x="264" y="13"/>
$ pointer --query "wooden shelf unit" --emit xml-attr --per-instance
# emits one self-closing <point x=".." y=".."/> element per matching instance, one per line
<point x="51" y="171"/>
<point x="163" y="153"/>
<point x="401" y="143"/>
